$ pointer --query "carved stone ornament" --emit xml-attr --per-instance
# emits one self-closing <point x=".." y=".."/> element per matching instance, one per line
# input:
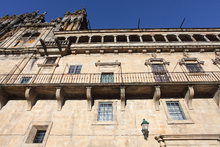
<point x="156" y="60"/>
<point x="99" y="63"/>
<point x="190" y="60"/>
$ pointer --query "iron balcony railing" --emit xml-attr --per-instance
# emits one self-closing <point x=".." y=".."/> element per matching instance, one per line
<point x="96" y="78"/>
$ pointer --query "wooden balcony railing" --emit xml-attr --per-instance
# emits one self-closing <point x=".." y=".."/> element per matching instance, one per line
<point x="96" y="78"/>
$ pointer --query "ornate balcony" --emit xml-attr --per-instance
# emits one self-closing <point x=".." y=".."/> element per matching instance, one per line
<point x="122" y="86"/>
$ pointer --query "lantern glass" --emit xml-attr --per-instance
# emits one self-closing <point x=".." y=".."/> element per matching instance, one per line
<point x="145" y="126"/>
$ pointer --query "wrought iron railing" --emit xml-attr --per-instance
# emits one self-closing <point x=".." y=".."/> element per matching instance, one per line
<point x="96" y="78"/>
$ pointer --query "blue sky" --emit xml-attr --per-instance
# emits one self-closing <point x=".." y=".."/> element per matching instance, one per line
<point x="125" y="13"/>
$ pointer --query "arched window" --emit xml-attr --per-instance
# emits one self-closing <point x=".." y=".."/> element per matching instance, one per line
<point x="121" y="38"/>
<point x="185" y="37"/>
<point x="83" y="39"/>
<point x="134" y="38"/>
<point x="61" y="38"/>
<point x="108" y="38"/>
<point x="199" y="37"/>
<point x="72" y="39"/>
<point x="212" y="37"/>
<point x="172" y="38"/>
<point x="159" y="38"/>
<point x="96" y="39"/>
<point x="147" y="38"/>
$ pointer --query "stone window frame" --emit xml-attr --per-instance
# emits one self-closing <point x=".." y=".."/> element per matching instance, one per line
<point x="96" y="109"/>
<point x="191" y="60"/>
<point x="161" y="61"/>
<point x="46" y="65"/>
<point x="26" y="39"/>
<point x="175" y="110"/>
<point x="170" y="121"/>
<point x="105" y="114"/>
<point x="156" y="61"/>
<point x="75" y="69"/>
<point x="31" y="132"/>
<point x="108" y="67"/>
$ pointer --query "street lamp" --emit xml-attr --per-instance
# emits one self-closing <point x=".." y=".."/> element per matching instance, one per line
<point x="144" y="130"/>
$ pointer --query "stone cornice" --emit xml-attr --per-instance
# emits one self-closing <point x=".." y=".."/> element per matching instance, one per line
<point x="140" y="30"/>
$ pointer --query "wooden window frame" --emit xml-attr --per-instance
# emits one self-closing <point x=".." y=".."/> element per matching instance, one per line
<point x="75" y="69"/>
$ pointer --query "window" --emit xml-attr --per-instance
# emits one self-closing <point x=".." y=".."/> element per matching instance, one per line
<point x="39" y="137"/>
<point x="107" y="77"/>
<point x="160" y="73"/>
<point x="38" y="134"/>
<point x="28" y="37"/>
<point x="108" y="38"/>
<point x="51" y="60"/>
<point x="185" y="37"/>
<point x="159" y="38"/>
<point x="172" y="38"/>
<point x="25" y="80"/>
<point x="75" y="69"/>
<point x="194" y="67"/>
<point x="105" y="112"/>
<point x="175" y="110"/>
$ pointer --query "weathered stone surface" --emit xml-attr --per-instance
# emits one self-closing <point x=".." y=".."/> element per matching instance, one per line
<point x="134" y="88"/>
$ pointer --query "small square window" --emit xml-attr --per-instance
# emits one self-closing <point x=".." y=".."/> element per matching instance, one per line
<point x="105" y="112"/>
<point x="38" y="134"/>
<point x="107" y="78"/>
<point x="51" y="60"/>
<point x="25" y="80"/>
<point x="39" y="137"/>
<point x="194" y="67"/>
<point x="175" y="110"/>
<point x="75" y="69"/>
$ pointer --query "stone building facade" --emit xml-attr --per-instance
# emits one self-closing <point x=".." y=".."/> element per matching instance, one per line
<point x="64" y="85"/>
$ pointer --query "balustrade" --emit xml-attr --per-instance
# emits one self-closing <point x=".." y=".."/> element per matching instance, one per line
<point x="96" y="78"/>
